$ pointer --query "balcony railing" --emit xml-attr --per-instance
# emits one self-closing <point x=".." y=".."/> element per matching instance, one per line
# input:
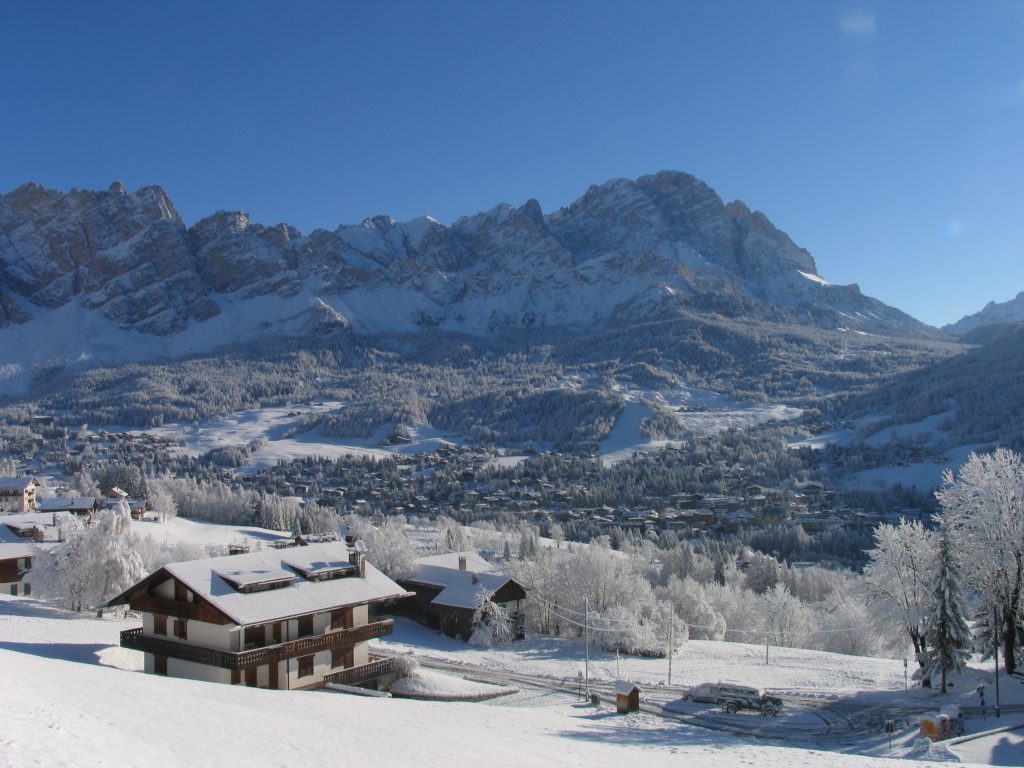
<point x="361" y="674"/>
<point x="214" y="657"/>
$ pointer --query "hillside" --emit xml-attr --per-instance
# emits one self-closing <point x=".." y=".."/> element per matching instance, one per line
<point x="77" y="693"/>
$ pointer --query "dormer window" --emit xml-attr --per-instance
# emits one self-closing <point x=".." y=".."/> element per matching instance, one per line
<point x="257" y="580"/>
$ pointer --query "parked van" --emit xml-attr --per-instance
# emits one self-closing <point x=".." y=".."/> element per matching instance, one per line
<point x="716" y="693"/>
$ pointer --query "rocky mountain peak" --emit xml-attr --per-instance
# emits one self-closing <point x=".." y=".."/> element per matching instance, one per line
<point x="625" y="249"/>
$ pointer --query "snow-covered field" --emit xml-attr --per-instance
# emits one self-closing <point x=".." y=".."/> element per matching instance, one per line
<point x="272" y="424"/>
<point x="77" y="700"/>
<point x="698" y="410"/>
<point x="82" y="702"/>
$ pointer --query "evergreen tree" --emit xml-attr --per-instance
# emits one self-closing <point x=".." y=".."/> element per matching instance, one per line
<point x="946" y="632"/>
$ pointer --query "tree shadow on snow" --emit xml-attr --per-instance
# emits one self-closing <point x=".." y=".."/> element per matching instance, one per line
<point x="35" y="610"/>
<point x="611" y="728"/>
<point x="82" y="653"/>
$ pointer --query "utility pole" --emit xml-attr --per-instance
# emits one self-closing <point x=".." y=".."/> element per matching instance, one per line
<point x="671" y="645"/>
<point x="995" y="646"/>
<point x="586" y="640"/>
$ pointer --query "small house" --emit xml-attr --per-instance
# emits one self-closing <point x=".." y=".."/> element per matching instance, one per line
<point x="447" y="587"/>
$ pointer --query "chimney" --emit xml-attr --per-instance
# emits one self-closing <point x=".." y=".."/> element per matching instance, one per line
<point x="462" y="562"/>
<point x="476" y="577"/>
<point x="358" y="559"/>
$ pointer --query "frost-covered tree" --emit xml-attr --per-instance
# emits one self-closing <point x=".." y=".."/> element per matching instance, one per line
<point x="94" y="563"/>
<point x="160" y="500"/>
<point x="983" y="514"/>
<point x="690" y="602"/>
<point x="898" y="579"/>
<point x="450" y="536"/>
<point x="491" y="623"/>
<point x="946" y="631"/>
<point x="387" y="545"/>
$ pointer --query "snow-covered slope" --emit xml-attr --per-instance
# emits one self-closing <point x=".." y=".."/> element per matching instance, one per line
<point x="126" y="267"/>
<point x="82" y="702"/>
<point x="1011" y="311"/>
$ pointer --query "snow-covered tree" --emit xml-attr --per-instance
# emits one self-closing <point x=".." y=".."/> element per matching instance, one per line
<point x="450" y="536"/>
<point x="690" y="603"/>
<point x="94" y="562"/>
<point x="160" y="500"/>
<point x="946" y="631"/>
<point x="898" y="579"/>
<point x="387" y="546"/>
<point x="491" y="623"/>
<point x="983" y="513"/>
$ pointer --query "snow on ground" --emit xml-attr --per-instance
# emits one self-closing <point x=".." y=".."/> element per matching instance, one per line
<point x="437" y="686"/>
<point x="202" y="533"/>
<point x="271" y="424"/>
<point x="924" y="475"/>
<point x="625" y="439"/>
<point x="698" y="410"/>
<point x="998" y="747"/>
<point x="73" y="711"/>
<point x="789" y="670"/>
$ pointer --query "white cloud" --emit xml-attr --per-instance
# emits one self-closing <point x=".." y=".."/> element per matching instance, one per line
<point x="857" y="24"/>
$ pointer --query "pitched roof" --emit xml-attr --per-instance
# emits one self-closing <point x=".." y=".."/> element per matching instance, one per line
<point x="474" y="562"/>
<point x="459" y="587"/>
<point x="16" y="483"/>
<point x="219" y="581"/>
<point x="66" y="503"/>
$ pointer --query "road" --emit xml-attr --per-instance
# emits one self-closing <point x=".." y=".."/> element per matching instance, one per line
<point x="805" y="721"/>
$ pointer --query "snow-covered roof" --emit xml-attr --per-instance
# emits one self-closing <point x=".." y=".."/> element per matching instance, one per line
<point x="12" y="545"/>
<point x="474" y="562"/>
<point x="62" y="503"/>
<point x="624" y="687"/>
<point x="459" y="586"/>
<point x="16" y="483"/>
<point x="461" y="590"/>
<point x="209" y="580"/>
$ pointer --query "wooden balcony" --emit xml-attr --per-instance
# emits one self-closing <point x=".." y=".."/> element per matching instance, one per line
<point x="150" y="603"/>
<point x="213" y="657"/>
<point x="361" y="674"/>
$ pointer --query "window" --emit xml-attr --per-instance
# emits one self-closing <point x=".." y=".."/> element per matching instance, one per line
<point x="341" y="619"/>
<point x="305" y="625"/>
<point x="159" y="624"/>
<point x="342" y="657"/>
<point x="255" y="637"/>
<point x="305" y="666"/>
<point x="181" y="629"/>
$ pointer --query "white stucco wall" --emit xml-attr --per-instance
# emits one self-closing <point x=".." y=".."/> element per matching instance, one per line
<point x="193" y="671"/>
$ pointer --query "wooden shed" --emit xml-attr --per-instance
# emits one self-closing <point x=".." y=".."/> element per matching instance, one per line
<point x="627" y="697"/>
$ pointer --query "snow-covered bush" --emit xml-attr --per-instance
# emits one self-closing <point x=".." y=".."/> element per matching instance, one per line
<point x="404" y="666"/>
<point x="491" y="623"/>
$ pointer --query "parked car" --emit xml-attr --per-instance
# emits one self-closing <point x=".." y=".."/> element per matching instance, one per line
<point x="733" y="698"/>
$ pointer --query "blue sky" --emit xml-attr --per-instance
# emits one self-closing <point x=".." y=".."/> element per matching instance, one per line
<point x="887" y="138"/>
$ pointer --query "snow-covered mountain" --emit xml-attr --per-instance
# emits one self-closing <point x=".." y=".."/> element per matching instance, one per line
<point x="1011" y="311"/>
<point x="114" y="275"/>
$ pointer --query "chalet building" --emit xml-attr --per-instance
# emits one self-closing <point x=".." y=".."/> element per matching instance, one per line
<point x="18" y="494"/>
<point x="76" y="505"/>
<point x="293" y="618"/>
<point x="22" y="537"/>
<point x="446" y="588"/>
